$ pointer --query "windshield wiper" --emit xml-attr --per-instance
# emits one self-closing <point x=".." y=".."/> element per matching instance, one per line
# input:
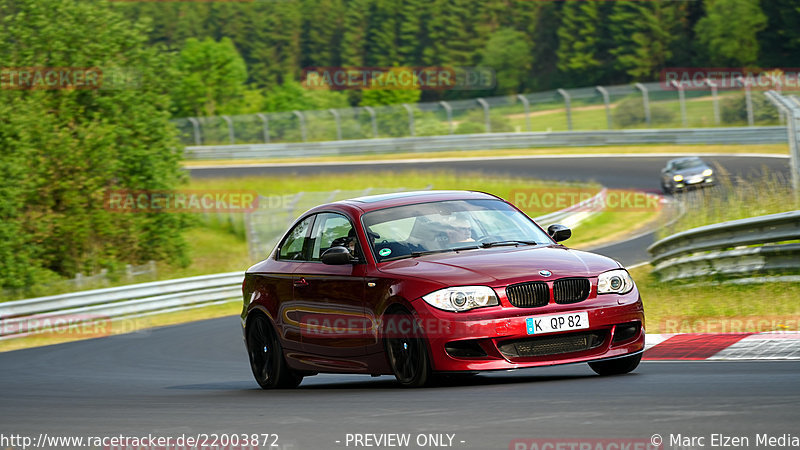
<point x="444" y="250"/>
<point x="505" y="243"/>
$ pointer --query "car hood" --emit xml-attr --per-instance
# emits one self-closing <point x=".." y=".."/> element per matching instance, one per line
<point x="501" y="266"/>
<point x="692" y="171"/>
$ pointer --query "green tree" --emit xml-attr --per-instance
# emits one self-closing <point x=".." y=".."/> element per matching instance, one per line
<point x="579" y="42"/>
<point x="645" y="32"/>
<point x="322" y="32"/>
<point x="61" y="150"/>
<point x="509" y="54"/>
<point x="729" y="29"/>
<point x="291" y="95"/>
<point x="212" y="75"/>
<point x="780" y="39"/>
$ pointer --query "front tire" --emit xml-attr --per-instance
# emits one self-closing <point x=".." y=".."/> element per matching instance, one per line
<point x="266" y="356"/>
<point x="406" y="350"/>
<point x="617" y="366"/>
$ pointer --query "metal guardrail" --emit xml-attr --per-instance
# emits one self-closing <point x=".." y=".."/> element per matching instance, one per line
<point x="493" y="141"/>
<point x="25" y="317"/>
<point x="735" y="248"/>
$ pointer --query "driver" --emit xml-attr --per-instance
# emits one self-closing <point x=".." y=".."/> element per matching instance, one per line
<point x="459" y="230"/>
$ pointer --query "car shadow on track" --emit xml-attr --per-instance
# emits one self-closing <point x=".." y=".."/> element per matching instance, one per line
<point x="389" y="383"/>
<point x="356" y="382"/>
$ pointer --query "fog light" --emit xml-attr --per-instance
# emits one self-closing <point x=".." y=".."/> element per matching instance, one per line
<point x="625" y="332"/>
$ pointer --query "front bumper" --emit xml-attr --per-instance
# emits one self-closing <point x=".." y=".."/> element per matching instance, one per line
<point x="695" y="183"/>
<point x="499" y="340"/>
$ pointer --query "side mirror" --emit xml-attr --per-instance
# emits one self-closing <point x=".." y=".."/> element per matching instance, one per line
<point x="559" y="232"/>
<point x="337" y="256"/>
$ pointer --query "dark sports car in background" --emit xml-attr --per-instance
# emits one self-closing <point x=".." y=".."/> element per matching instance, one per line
<point x="423" y="283"/>
<point x="685" y="173"/>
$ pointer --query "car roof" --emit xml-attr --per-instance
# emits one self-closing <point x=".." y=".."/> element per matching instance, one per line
<point x="381" y="201"/>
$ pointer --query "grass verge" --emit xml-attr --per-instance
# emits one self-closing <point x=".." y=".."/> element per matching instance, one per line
<point x="701" y="308"/>
<point x="734" y="199"/>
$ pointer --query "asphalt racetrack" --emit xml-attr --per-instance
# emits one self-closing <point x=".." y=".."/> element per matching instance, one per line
<point x="194" y="378"/>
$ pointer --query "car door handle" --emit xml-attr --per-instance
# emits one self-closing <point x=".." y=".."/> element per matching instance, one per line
<point x="300" y="282"/>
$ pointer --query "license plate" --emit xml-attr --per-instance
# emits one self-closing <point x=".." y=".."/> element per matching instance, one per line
<point x="695" y="180"/>
<point x="557" y="322"/>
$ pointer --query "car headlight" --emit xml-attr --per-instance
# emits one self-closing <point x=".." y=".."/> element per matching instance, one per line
<point x="678" y="178"/>
<point x="462" y="298"/>
<point x="617" y="281"/>
<point x="707" y="172"/>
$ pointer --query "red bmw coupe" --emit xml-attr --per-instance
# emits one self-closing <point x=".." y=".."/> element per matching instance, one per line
<point x="417" y="284"/>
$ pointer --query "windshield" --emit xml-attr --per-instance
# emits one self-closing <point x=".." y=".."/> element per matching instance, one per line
<point x="688" y="164"/>
<point x="413" y="230"/>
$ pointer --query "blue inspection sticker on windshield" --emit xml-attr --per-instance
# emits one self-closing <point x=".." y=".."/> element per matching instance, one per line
<point x="385" y="251"/>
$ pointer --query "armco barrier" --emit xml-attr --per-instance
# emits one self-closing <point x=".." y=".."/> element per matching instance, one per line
<point x="492" y="141"/>
<point x="736" y="248"/>
<point x="123" y="301"/>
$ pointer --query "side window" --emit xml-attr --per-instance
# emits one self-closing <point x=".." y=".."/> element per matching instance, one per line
<point x="331" y="230"/>
<point x="295" y="242"/>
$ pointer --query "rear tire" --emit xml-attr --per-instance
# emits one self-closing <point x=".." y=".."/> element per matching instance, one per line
<point x="266" y="356"/>
<point x="617" y="366"/>
<point x="406" y="350"/>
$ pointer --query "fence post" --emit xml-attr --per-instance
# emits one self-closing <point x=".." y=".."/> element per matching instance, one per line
<point x="607" y="101"/>
<point x="791" y="110"/>
<point x="527" y="106"/>
<point x="682" y="102"/>
<point x="567" y="102"/>
<point x="292" y="205"/>
<point x="338" y="124"/>
<point x="196" y="128"/>
<point x="265" y="121"/>
<point x="714" y="99"/>
<point x="748" y="98"/>
<point x="301" y="118"/>
<point x="231" y="134"/>
<point x="486" y="120"/>
<point x="449" y="112"/>
<point x="410" y="118"/>
<point x="645" y="102"/>
<point x="373" y="119"/>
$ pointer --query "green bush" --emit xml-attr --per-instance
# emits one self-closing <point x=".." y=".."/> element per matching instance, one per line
<point x="630" y="113"/>
<point x="475" y="122"/>
<point x="734" y="109"/>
